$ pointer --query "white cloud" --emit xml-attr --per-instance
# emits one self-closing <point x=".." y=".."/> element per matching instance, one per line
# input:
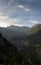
<point x="27" y="9"/>
<point x="33" y="21"/>
<point x="18" y="25"/>
<point x="23" y="7"/>
<point x="20" y="6"/>
<point x="3" y="17"/>
<point x="3" y="24"/>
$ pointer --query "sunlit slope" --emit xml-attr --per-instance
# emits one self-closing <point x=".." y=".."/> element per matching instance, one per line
<point x="35" y="29"/>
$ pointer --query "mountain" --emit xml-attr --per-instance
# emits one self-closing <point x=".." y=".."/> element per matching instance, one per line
<point x="33" y="36"/>
<point x="33" y="44"/>
<point x="13" y="31"/>
<point x="19" y="29"/>
<point x="18" y="38"/>
<point x="34" y="29"/>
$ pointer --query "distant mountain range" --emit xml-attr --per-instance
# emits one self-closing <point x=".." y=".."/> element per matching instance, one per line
<point x="13" y="31"/>
<point x="19" y="29"/>
<point x="18" y="35"/>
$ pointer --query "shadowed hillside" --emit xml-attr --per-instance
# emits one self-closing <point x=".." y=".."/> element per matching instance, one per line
<point x="9" y="54"/>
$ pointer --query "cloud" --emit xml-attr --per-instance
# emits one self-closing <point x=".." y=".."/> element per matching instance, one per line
<point x="20" y="25"/>
<point x="10" y="2"/>
<point x="20" y="12"/>
<point x="34" y="21"/>
<point x="20" y="6"/>
<point x="7" y="21"/>
<point x="23" y="7"/>
<point x="27" y="9"/>
<point x="3" y="17"/>
<point x="3" y="24"/>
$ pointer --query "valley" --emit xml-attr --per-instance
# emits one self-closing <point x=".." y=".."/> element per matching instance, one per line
<point x="20" y="45"/>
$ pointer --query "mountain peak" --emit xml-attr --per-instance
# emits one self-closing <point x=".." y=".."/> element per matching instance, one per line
<point x="36" y="25"/>
<point x="35" y="29"/>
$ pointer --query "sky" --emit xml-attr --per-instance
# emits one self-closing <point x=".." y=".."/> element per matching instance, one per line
<point x="20" y="12"/>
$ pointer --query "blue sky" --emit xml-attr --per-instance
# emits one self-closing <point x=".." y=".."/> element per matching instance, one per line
<point x="20" y="12"/>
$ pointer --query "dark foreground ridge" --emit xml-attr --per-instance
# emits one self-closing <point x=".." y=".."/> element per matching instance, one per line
<point x="8" y="53"/>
